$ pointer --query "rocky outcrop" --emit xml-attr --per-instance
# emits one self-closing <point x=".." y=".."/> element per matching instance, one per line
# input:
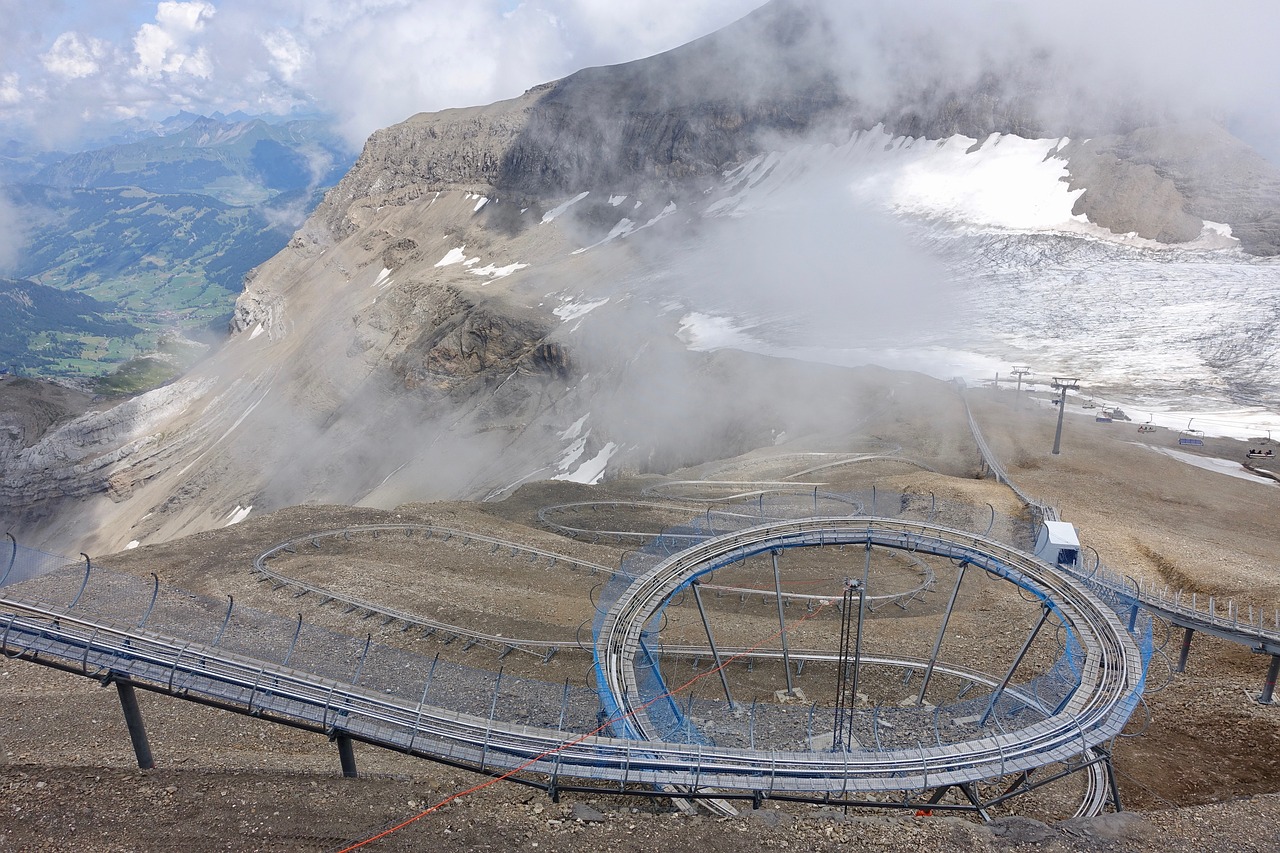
<point x="259" y="306"/>
<point x="99" y="451"/>
<point x="1156" y="178"/>
<point x="452" y="149"/>
<point x="1128" y="197"/>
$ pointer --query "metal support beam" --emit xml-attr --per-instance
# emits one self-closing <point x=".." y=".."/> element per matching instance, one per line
<point x="782" y="625"/>
<point x="1111" y="781"/>
<point x="133" y="719"/>
<point x="937" y="643"/>
<point x="13" y="556"/>
<point x="1269" y="687"/>
<point x="1008" y="676"/>
<point x="1185" y="651"/>
<point x="1062" y="384"/>
<point x="346" y="756"/>
<point x="862" y="615"/>
<point x="715" y="653"/>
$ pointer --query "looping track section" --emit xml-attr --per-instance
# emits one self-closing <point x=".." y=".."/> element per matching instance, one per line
<point x="1108" y="667"/>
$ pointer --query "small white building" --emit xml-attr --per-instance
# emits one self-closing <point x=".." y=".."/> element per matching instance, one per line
<point x="1058" y="543"/>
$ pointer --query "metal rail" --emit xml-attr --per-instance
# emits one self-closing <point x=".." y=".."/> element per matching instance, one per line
<point x="280" y="694"/>
<point x="544" y="649"/>
<point x="1110" y="676"/>
<point x="1219" y="619"/>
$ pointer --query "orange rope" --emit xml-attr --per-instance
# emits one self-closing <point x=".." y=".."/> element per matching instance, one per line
<point x="485" y="784"/>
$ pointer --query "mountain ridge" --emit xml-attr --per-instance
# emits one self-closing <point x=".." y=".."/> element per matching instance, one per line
<point x="468" y="291"/>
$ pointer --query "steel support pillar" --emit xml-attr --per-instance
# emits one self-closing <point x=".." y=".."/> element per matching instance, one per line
<point x="1269" y="687"/>
<point x="715" y="653"/>
<point x="1185" y="651"/>
<point x="1008" y="676"/>
<point x="782" y="625"/>
<point x="346" y="755"/>
<point x="862" y="615"/>
<point x="133" y="719"/>
<point x="1115" y="786"/>
<point x="937" y="643"/>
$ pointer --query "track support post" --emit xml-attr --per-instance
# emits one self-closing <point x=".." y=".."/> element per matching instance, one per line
<point x="1111" y="781"/>
<point x="937" y="643"/>
<point x="1185" y="651"/>
<point x="1026" y="646"/>
<point x="1269" y="687"/>
<point x="715" y="653"/>
<point x="782" y="623"/>
<point x="346" y="756"/>
<point x="133" y="719"/>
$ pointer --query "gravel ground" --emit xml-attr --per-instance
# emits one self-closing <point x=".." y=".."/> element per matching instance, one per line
<point x="1201" y="774"/>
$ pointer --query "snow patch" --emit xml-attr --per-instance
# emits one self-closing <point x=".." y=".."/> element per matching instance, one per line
<point x="496" y="271"/>
<point x="570" y="310"/>
<point x="257" y="330"/>
<point x="237" y="515"/>
<point x="572" y="454"/>
<point x="133" y="543"/>
<point x="551" y="214"/>
<point x="382" y="276"/>
<point x="615" y="200"/>
<point x="1211" y="463"/>
<point x="706" y="332"/>
<point x="623" y="228"/>
<point x="575" y="428"/>
<point x="481" y="203"/>
<point x="454" y="256"/>
<point x="591" y="471"/>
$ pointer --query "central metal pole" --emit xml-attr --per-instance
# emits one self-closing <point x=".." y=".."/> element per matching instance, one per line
<point x="862" y="612"/>
<point x="782" y="625"/>
<point x="937" y="644"/>
<point x="715" y="653"/>
<point x="1008" y="676"/>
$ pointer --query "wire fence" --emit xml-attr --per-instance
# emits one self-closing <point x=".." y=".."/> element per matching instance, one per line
<point x="22" y="563"/>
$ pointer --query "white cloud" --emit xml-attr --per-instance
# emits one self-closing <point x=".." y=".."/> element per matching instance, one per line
<point x="166" y="47"/>
<point x="288" y="56"/>
<point x="73" y="55"/>
<point x="376" y="62"/>
<point x="10" y="90"/>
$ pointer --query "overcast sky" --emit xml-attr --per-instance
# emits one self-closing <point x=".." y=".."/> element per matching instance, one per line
<point x="369" y="63"/>
<point x="372" y="63"/>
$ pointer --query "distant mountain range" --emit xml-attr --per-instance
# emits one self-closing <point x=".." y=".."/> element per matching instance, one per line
<point x="160" y="223"/>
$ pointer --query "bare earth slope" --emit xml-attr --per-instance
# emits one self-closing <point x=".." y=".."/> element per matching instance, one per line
<point x="1201" y="775"/>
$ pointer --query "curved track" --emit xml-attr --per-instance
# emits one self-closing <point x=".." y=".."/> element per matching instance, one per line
<point x="505" y="644"/>
<point x="1194" y="612"/>
<point x="1110" y="674"/>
